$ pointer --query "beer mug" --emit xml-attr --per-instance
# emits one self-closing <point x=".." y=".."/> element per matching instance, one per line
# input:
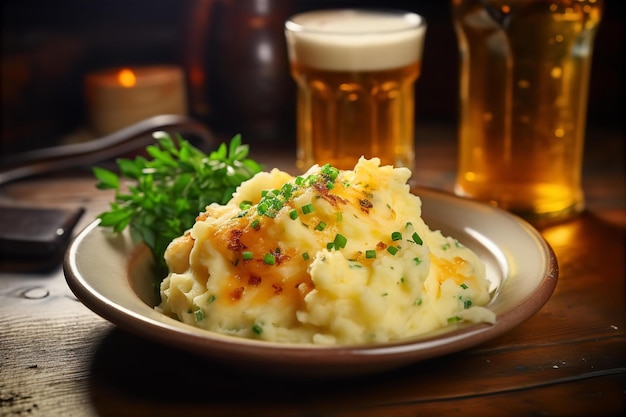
<point x="524" y="79"/>
<point x="355" y="72"/>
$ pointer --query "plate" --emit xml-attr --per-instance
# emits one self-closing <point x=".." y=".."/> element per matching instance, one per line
<point x="112" y="276"/>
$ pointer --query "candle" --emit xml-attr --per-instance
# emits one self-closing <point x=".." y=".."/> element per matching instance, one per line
<point x="119" y="97"/>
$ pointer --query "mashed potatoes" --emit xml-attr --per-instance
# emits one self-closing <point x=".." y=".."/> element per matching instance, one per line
<point x="330" y="257"/>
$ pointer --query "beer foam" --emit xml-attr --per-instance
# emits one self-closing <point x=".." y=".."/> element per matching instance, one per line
<point x="355" y="40"/>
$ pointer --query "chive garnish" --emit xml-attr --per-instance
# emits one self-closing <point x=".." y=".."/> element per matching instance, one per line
<point x="340" y="241"/>
<point x="396" y="236"/>
<point x="392" y="250"/>
<point x="245" y="205"/>
<point x="269" y="259"/>
<point x="247" y="255"/>
<point x="320" y="226"/>
<point x="370" y="254"/>
<point x="199" y="314"/>
<point x="417" y="239"/>
<point x="305" y="256"/>
<point x="308" y="208"/>
<point x="293" y="214"/>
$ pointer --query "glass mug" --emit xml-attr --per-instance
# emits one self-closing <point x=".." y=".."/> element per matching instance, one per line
<point x="524" y="80"/>
<point x="355" y="72"/>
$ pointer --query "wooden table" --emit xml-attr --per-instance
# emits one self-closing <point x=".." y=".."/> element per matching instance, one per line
<point x="57" y="358"/>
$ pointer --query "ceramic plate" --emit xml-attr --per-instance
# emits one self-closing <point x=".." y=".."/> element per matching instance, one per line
<point x="112" y="276"/>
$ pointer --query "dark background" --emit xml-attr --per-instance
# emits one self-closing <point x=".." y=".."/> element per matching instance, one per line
<point x="49" y="46"/>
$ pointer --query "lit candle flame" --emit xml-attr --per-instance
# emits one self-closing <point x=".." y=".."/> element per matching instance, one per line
<point x="126" y="78"/>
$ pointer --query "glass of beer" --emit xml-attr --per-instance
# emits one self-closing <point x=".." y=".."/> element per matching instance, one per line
<point x="355" y="72"/>
<point x="524" y="77"/>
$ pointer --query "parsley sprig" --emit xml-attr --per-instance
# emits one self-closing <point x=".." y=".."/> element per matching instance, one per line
<point x="168" y="192"/>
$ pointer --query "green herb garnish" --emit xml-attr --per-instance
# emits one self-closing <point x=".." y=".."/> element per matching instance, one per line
<point x="308" y="208"/>
<point x="269" y="259"/>
<point x="320" y="226"/>
<point x="168" y="192"/>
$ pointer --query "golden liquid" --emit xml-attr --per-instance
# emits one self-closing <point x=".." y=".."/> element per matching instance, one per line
<point x="343" y="115"/>
<point x="524" y="80"/>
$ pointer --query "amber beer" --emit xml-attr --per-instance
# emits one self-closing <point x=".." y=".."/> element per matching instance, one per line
<point x="524" y="79"/>
<point x="355" y="71"/>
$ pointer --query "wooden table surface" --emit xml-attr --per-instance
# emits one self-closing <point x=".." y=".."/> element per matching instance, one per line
<point x="57" y="358"/>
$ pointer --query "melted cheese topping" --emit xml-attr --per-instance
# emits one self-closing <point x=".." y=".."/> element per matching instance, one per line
<point x="331" y="257"/>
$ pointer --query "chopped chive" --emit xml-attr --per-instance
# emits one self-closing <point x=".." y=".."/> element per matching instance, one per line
<point x="339" y="216"/>
<point x="254" y="224"/>
<point x="464" y="286"/>
<point x="467" y="304"/>
<point x="293" y="214"/>
<point x="320" y="226"/>
<point x="454" y="319"/>
<point x="257" y="329"/>
<point x="245" y="205"/>
<point x="308" y="208"/>
<point x="330" y="185"/>
<point x="305" y="256"/>
<point x="396" y="236"/>
<point x="247" y="255"/>
<point x="269" y="259"/>
<point x="445" y="246"/>
<point x="417" y="239"/>
<point x="199" y="314"/>
<point x="392" y="250"/>
<point x="370" y="254"/>
<point x="418" y="302"/>
<point x="330" y="245"/>
<point x="262" y="207"/>
<point x="210" y="299"/>
<point x="286" y="190"/>
<point x="264" y="193"/>
<point x="417" y="261"/>
<point x="299" y="180"/>
<point x="330" y="171"/>
<point x="340" y="241"/>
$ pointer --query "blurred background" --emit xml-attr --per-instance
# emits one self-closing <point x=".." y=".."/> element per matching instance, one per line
<point x="234" y="60"/>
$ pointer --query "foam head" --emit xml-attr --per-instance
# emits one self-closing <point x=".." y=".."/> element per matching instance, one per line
<point x="355" y="40"/>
